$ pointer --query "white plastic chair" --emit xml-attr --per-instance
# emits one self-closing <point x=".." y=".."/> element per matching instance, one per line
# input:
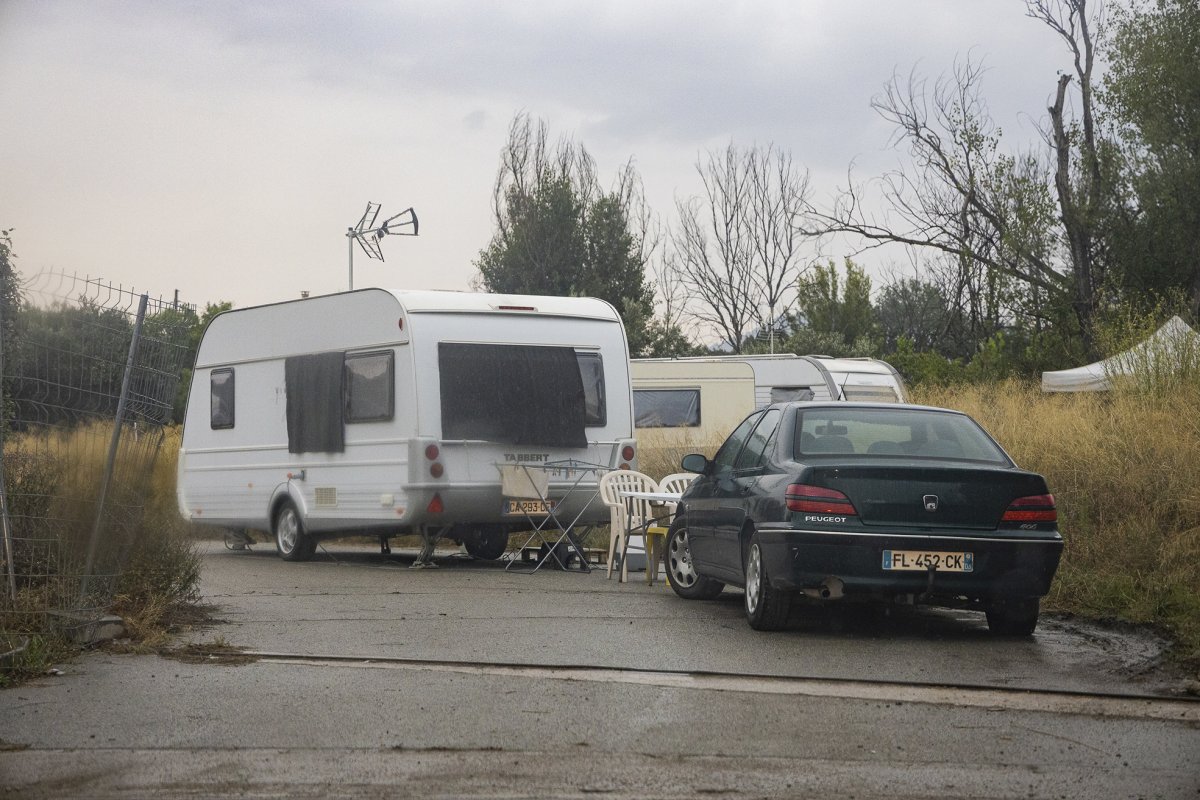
<point x="677" y="482"/>
<point x="619" y="512"/>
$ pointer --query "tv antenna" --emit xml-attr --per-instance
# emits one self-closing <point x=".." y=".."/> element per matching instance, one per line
<point x="368" y="234"/>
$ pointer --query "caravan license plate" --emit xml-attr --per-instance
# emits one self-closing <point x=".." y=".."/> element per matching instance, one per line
<point x="528" y="507"/>
<point x="922" y="560"/>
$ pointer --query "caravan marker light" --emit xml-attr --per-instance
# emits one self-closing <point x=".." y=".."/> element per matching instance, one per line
<point x="516" y="308"/>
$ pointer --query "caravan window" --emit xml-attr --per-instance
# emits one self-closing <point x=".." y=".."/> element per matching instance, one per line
<point x="221" y="398"/>
<point x="870" y="394"/>
<point x="519" y="394"/>
<point x="666" y="408"/>
<point x="787" y="394"/>
<point x="591" y="370"/>
<point x="370" y="387"/>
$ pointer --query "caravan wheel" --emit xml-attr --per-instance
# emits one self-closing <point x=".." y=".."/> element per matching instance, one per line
<point x="487" y="541"/>
<point x="293" y="543"/>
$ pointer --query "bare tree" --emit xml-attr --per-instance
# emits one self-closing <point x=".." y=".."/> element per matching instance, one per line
<point x="962" y="197"/>
<point x="737" y="248"/>
<point x="993" y="215"/>
<point x="1078" y="178"/>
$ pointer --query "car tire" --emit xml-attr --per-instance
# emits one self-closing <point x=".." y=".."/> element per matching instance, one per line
<point x="1016" y="617"/>
<point x="681" y="573"/>
<point x="486" y="541"/>
<point x="766" y="607"/>
<point x="293" y="542"/>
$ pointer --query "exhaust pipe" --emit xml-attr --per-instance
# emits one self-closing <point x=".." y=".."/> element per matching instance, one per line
<point x="830" y="589"/>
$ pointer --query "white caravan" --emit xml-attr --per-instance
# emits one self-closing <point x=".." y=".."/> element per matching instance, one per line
<point x="382" y="413"/>
<point x="701" y="394"/>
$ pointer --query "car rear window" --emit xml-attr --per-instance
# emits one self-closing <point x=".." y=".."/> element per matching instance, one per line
<point x="903" y="433"/>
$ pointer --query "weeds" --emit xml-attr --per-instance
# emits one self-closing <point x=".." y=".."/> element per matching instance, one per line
<point x="1124" y="467"/>
<point x="146" y="569"/>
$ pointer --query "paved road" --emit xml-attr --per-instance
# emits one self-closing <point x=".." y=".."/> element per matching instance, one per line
<point x="374" y="680"/>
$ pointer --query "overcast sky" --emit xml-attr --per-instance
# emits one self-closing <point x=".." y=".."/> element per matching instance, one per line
<point x="221" y="149"/>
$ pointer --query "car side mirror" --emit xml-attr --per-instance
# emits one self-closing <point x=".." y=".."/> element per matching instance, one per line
<point x="695" y="462"/>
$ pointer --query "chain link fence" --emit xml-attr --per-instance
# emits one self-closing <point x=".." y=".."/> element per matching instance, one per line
<point x="90" y="374"/>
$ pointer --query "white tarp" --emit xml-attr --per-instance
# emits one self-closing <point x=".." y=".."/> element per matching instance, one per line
<point x="1172" y="340"/>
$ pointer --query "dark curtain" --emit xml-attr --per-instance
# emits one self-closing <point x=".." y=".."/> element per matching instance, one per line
<point x="518" y="394"/>
<point x="314" y="403"/>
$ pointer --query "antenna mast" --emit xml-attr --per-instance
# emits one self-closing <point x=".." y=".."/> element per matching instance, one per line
<point x="367" y="234"/>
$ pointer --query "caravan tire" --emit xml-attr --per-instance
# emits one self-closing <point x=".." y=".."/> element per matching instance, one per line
<point x="293" y="543"/>
<point x="486" y="541"/>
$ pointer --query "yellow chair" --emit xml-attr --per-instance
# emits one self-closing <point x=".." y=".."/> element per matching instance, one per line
<point x="625" y="513"/>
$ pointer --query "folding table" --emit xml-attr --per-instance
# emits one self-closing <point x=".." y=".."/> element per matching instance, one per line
<point x="527" y="492"/>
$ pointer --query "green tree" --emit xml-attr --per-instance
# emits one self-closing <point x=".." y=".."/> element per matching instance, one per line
<point x="558" y="234"/>
<point x="826" y="304"/>
<point x="913" y="310"/>
<point x="10" y="287"/>
<point x="10" y="306"/>
<point x="1152" y="94"/>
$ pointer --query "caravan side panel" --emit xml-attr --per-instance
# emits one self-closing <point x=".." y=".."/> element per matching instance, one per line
<point x="689" y="406"/>
<point x="233" y="474"/>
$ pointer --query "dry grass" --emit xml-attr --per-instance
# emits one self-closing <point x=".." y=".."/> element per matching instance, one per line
<point x="1125" y="469"/>
<point x="658" y="460"/>
<point x="145" y="566"/>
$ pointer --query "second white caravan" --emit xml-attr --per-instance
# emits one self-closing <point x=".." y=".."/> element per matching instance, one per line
<point x="382" y="413"/>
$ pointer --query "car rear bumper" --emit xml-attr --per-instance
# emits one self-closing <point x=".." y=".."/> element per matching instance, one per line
<point x="1018" y="566"/>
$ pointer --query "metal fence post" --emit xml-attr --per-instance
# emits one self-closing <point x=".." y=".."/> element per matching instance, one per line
<point x="112" y="447"/>
<point x="9" y="555"/>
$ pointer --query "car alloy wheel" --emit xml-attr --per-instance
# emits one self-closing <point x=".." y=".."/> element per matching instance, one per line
<point x="681" y="571"/>
<point x="766" y="607"/>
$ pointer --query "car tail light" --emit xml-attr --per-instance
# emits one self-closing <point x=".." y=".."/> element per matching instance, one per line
<point x="435" y="505"/>
<point x="436" y="469"/>
<point x="1035" y="508"/>
<point x="818" y="499"/>
<point x="627" y="452"/>
<point x="432" y="452"/>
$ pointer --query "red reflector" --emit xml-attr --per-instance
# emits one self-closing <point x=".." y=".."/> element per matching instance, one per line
<point x="431" y="451"/>
<point x="627" y="452"/>
<point x="436" y="469"/>
<point x="818" y="499"/>
<point x="1035" y="508"/>
<point x="435" y="505"/>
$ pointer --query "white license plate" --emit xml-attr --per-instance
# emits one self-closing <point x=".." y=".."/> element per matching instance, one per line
<point x="531" y="508"/>
<point x="922" y="560"/>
